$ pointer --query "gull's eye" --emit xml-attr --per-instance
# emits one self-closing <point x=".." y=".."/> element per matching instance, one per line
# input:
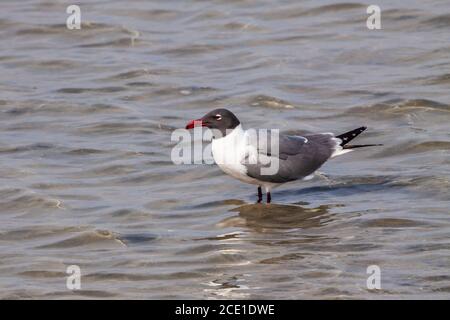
<point x="218" y="117"/>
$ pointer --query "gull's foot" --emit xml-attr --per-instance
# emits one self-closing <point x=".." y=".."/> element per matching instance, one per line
<point x="259" y="195"/>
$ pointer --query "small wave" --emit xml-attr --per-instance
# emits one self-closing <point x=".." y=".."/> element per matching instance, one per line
<point x="296" y="12"/>
<point x="392" y="223"/>
<point x="131" y="74"/>
<point x="118" y="128"/>
<point x="30" y="200"/>
<point x="84" y="152"/>
<point x="108" y="171"/>
<point x="26" y="148"/>
<point x="443" y="79"/>
<point x="241" y="26"/>
<point x="398" y="107"/>
<point x="214" y="204"/>
<point x="42" y="30"/>
<point x="122" y="42"/>
<point x="142" y="178"/>
<point x="140" y="84"/>
<point x="345" y="6"/>
<point x="428" y="183"/>
<point x="402" y="14"/>
<point x="349" y="186"/>
<point x="282" y="259"/>
<point x="95" y="238"/>
<point x="192" y="49"/>
<point x="441" y="21"/>
<point x="62" y="28"/>
<point x="81" y="293"/>
<point x="138" y="238"/>
<point x="185" y="91"/>
<point x="43" y="274"/>
<point x="42" y="107"/>
<point x="51" y="64"/>
<point x="121" y="276"/>
<point x="127" y="212"/>
<point x="91" y="90"/>
<point x="413" y="147"/>
<point x="35" y="232"/>
<point x="429" y="146"/>
<point x="269" y="102"/>
<point x="154" y="14"/>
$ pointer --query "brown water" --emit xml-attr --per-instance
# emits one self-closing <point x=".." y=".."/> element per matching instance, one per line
<point x="85" y="170"/>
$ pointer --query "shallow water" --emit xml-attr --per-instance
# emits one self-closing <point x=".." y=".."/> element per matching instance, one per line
<point x="85" y="170"/>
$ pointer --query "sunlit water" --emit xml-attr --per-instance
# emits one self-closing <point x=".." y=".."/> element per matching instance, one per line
<point x="86" y="176"/>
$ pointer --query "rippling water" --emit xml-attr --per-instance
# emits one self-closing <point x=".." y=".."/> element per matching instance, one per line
<point x="85" y="170"/>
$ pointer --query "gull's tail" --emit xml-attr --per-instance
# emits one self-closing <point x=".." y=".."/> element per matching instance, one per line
<point x="349" y="136"/>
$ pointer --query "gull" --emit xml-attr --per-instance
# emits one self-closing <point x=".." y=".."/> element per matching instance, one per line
<point x="244" y="155"/>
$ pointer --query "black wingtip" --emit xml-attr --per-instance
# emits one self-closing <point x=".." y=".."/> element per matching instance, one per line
<point x="350" y="135"/>
<point x="355" y="146"/>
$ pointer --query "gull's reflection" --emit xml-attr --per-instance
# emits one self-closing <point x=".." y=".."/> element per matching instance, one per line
<point x="264" y="238"/>
<point x="263" y="218"/>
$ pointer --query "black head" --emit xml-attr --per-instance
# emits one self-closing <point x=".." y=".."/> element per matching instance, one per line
<point x="219" y="119"/>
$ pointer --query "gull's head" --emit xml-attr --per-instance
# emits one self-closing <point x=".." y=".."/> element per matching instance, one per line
<point x="220" y="119"/>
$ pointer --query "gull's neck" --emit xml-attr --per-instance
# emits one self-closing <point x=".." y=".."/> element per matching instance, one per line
<point x="237" y="133"/>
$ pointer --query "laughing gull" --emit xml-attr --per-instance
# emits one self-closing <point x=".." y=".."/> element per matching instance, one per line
<point x="298" y="157"/>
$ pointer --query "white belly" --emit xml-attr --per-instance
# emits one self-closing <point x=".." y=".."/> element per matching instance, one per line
<point x="238" y="172"/>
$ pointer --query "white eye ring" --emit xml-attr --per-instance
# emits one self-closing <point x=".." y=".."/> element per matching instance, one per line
<point x="218" y="117"/>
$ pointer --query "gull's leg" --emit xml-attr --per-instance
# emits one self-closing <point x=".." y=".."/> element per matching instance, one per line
<point x="268" y="189"/>
<point x="259" y="194"/>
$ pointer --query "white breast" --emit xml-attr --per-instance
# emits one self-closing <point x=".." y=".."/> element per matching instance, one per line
<point x="229" y="153"/>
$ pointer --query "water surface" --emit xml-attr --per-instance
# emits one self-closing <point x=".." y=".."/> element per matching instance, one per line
<point x="85" y="170"/>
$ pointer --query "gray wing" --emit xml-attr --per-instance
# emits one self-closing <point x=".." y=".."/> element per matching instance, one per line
<point x="299" y="157"/>
<point x="287" y="145"/>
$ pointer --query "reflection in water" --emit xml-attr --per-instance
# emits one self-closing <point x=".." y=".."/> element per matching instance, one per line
<point x="263" y="217"/>
<point x="269" y="236"/>
<point x="228" y="287"/>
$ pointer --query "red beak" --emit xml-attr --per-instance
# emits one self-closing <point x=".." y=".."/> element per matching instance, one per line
<point x="195" y="123"/>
